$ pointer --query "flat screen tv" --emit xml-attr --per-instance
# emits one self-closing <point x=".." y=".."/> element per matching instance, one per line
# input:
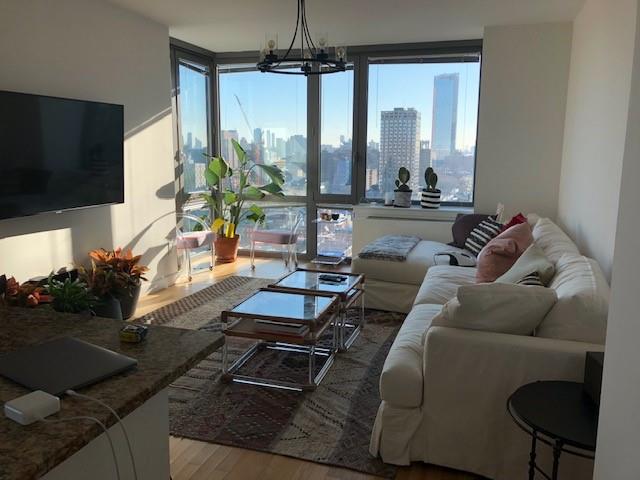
<point x="58" y="154"/>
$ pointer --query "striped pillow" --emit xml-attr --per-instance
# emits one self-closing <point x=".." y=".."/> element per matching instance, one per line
<point x="486" y="231"/>
<point x="531" y="280"/>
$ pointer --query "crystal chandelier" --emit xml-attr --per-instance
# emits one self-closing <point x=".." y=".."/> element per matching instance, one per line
<point x="314" y="58"/>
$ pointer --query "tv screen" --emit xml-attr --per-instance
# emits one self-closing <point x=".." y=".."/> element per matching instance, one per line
<point x="58" y="154"/>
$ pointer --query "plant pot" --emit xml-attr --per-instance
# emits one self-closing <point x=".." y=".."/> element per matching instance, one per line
<point x="128" y="301"/>
<point x="226" y="248"/>
<point x="108" y="307"/>
<point x="402" y="198"/>
<point x="430" y="199"/>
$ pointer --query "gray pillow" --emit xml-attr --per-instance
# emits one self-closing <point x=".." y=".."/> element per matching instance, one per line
<point x="532" y="260"/>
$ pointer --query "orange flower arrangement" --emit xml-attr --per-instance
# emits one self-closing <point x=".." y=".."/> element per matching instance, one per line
<point x="121" y="264"/>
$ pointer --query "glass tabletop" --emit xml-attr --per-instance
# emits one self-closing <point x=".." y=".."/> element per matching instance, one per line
<point x="310" y="280"/>
<point x="287" y="306"/>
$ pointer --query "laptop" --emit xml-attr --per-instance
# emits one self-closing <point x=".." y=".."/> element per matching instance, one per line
<point x="62" y="364"/>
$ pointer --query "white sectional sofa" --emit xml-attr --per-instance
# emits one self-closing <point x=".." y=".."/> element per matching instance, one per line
<point x="444" y="390"/>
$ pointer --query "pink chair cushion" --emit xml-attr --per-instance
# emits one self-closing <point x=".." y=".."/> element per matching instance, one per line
<point x="189" y="240"/>
<point x="275" y="237"/>
<point x="501" y="253"/>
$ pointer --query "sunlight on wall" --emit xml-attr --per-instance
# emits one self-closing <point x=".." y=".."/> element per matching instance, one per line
<point x="40" y="253"/>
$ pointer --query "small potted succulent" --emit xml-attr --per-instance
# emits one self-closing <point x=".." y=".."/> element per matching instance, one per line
<point x="430" y="195"/>
<point x="402" y="193"/>
<point x="126" y="276"/>
<point x="70" y="296"/>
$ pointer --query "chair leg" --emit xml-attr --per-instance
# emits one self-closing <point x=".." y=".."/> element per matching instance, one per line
<point x="285" y="257"/>
<point x="252" y="255"/>
<point x="295" y="254"/>
<point x="213" y="258"/>
<point x="188" y="254"/>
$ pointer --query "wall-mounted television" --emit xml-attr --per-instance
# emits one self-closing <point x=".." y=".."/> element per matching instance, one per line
<point x="59" y="154"/>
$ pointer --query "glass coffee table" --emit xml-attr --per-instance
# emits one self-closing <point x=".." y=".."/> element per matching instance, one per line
<point x="350" y="289"/>
<point x="283" y="320"/>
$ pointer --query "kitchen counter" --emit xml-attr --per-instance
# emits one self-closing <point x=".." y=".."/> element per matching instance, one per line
<point x="30" y="451"/>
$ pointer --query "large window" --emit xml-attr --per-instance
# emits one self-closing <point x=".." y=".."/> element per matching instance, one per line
<point x="267" y="114"/>
<point x="195" y="130"/>
<point x="422" y="115"/>
<point x="336" y="133"/>
<point x="339" y="138"/>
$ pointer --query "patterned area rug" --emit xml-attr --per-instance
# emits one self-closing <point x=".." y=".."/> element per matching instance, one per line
<point x="331" y="425"/>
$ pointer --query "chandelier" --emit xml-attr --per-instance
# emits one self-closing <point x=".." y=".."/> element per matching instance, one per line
<point x="313" y="59"/>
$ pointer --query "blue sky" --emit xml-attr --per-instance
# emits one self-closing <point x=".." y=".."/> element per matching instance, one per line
<point x="278" y="102"/>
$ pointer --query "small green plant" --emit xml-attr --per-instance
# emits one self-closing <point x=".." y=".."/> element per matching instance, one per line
<point x="70" y="296"/>
<point x="431" y="180"/>
<point x="403" y="180"/>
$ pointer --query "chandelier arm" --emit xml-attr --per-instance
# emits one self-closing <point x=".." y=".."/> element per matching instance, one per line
<point x="295" y="34"/>
<point x="305" y="26"/>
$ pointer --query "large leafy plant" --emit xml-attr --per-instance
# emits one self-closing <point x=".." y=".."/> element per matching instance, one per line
<point x="231" y="188"/>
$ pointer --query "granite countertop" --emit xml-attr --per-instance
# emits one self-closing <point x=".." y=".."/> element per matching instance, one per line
<point x="166" y="354"/>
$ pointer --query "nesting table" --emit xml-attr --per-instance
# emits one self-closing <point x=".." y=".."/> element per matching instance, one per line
<point x="292" y="315"/>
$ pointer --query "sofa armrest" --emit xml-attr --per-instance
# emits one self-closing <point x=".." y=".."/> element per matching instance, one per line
<point x="470" y="374"/>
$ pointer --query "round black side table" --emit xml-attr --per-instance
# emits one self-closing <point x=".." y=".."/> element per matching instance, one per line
<point x="557" y="414"/>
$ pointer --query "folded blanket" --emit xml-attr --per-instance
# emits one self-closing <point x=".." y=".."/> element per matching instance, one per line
<point x="393" y="248"/>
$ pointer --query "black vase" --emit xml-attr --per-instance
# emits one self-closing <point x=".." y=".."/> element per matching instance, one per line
<point x="108" y="307"/>
<point x="129" y="301"/>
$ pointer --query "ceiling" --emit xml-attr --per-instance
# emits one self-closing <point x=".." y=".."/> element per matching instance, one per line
<point x="236" y="25"/>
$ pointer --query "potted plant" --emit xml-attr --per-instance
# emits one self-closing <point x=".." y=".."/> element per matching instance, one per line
<point x="430" y="194"/>
<point x="70" y="296"/>
<point x="102" y="282"/>
<point x="402" y="193"/>
<point x="28" y="294"/>
<point x="126" y="276"/>
<point x="230" y="189"/>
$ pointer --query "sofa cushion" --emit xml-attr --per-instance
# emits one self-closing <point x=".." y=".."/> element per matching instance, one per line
<point x="533" y="260"/>
<point x="464" y="225"/>
<point x="502" y="252"/>
<point x="553" y="241"/>
<point x="442" y="282"/>
<point x="411" y="271"/>
<point x="401" y="378"/>
<point x="497" y="307"/>
<point x="581" y="311"/>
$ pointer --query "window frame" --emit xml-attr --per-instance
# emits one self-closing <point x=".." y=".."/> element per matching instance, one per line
<point x="360" y="57"/>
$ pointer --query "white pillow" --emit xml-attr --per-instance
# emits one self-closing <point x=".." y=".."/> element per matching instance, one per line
<point x="532" y="260"/>
<point x="497" y="307"/>
<point x="583" y="302"/>
<point x="552" y="240"/>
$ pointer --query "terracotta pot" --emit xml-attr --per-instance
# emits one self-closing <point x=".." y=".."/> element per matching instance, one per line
<point x="226" y="248"/>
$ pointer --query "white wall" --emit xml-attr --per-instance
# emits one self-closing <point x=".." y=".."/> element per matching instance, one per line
<point x="595" y="128"/>
<point x="521" y="120"/>
<point x="93" y="50"/>
<point x="619" y="428"/>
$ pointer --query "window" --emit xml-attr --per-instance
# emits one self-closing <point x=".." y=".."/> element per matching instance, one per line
<point x="267" y="115"/>
<point x="336" y="133"/>
<point x="195" y="131"/>
<point x="422" y="113"/>
<point x="339" y="138"/>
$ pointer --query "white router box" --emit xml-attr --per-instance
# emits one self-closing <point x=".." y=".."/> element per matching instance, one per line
<point x="31" y="407"/>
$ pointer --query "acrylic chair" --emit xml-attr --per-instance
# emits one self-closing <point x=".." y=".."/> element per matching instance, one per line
<point x="286" y="237"/>
<point x="187" y="241"/>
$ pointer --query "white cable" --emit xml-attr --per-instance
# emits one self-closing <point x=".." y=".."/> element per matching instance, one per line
<point x="95" y="420"/>
<point x="73" y="393"/>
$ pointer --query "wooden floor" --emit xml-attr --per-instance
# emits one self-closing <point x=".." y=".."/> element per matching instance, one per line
<point x="194" y="460"/>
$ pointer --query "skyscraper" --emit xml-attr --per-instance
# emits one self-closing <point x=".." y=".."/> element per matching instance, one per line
<point x="445" y="115"/>
<point x="425" y="161"/>
<point x="399" y="146"/>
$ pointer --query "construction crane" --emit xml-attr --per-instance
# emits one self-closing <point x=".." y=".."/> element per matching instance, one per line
<point x="244" y="114"/>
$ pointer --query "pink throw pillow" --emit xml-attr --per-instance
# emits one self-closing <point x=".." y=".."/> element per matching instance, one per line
<point x="501" y="253"/>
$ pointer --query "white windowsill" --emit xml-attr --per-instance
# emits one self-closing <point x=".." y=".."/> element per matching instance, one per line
<point x="415" y="212"/>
